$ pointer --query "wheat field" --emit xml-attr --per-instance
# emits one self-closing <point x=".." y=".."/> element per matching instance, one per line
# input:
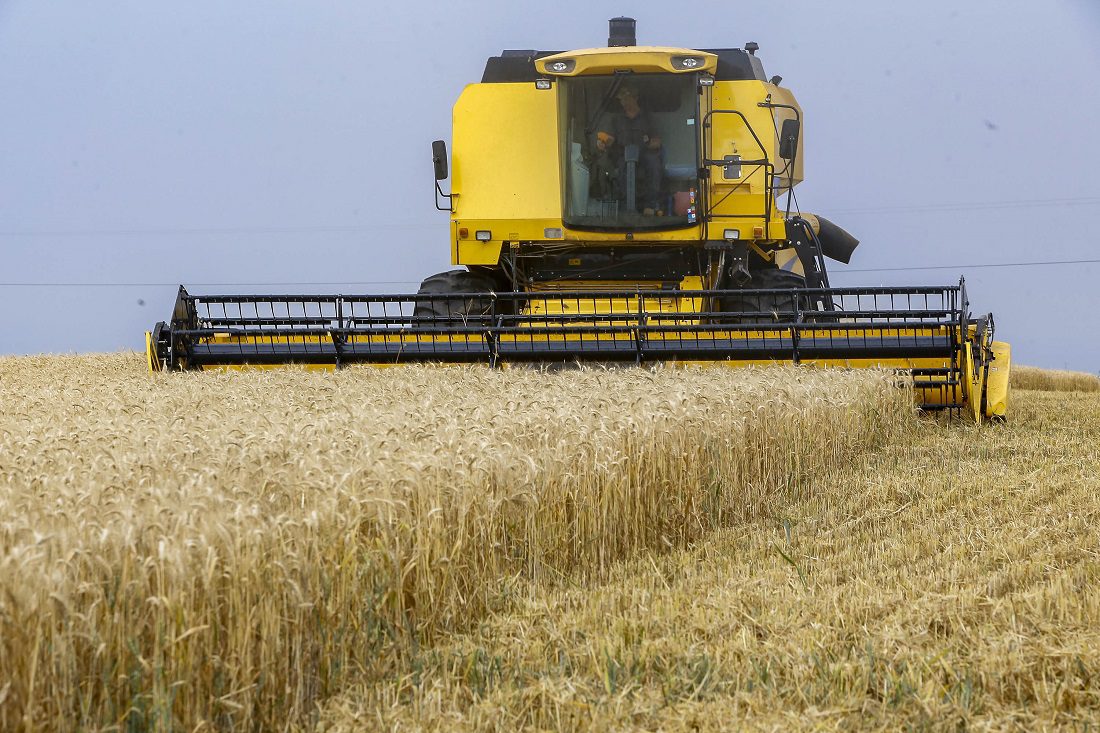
<point x="947" y="581"/>
<point x="1053" y="380"/>
<point x="240" y="550"/>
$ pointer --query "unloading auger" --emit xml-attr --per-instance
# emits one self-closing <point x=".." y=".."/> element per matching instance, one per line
<point x="619" y="205"/>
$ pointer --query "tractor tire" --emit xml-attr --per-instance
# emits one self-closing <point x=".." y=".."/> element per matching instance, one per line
<point x="780" y="305"/>
<point x="456" y="311"/>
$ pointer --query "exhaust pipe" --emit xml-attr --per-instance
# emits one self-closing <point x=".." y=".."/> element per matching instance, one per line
<point x="621" y="32"/>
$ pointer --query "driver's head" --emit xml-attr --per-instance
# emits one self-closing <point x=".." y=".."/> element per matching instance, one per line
<point x="626" y="92"/>
<point x="628" y="98"/>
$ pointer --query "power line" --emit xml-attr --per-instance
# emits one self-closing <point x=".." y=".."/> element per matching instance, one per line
<point x="174" y="231"/>
<point x="972" y="267"/>
<point x="201" y="285"/>
<point x="977" y="205"/>
<point x="1044" y="263"/>
<point x="364" y="228"/>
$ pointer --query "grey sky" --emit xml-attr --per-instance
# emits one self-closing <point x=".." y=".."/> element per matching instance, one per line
<point x="274" y="142"/>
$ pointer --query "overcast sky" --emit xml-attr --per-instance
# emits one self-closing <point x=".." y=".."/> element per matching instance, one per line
<point x="228" y="145"/>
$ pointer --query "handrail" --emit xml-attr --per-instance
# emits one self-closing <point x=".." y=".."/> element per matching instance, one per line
<point x="764" y="162"/>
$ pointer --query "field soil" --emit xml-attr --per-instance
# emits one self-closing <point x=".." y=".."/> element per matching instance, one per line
<point x="948" y="581"/>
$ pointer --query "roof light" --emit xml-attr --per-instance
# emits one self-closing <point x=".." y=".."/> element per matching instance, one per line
<point x="483" y="235"/>
<point x="687" y="63"/>
<point x="561" y="66"/>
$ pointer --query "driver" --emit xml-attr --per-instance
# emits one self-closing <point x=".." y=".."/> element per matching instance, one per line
<point x="634" y="126"/>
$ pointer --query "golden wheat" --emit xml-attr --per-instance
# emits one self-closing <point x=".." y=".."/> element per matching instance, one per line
<point x="212" y="550"/>
<point x="1053" y="380"/>
<point x="950" y="581"/>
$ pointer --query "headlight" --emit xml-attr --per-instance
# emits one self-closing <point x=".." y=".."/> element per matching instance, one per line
<point x="561" y="66"/>
<point x="483" y="235"/>
<point x="687" y="63"/>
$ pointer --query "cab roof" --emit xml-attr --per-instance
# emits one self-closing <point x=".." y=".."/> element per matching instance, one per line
<point x="512" y="66"/>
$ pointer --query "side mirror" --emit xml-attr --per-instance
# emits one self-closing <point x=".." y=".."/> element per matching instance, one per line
<point x="439" y="159"/>
<point x="788" y="139"/>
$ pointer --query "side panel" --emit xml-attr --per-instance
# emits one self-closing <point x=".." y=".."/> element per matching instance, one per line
<point x="739" y="126"/>
<point x="996" y="386"/>
<point x="505" y="164"/>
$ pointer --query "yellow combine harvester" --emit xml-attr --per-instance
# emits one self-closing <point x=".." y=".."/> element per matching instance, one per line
<point x="620" y="204"/>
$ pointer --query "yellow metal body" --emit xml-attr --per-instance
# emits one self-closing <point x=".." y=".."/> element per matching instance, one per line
<point x="507" y="166"/>
<point x="507" y="182"/>
<point x="996" y="381"/>
<point x="744" y="200"/>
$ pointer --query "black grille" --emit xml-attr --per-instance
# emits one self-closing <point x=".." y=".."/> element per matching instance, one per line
<point x="606" y="325"/>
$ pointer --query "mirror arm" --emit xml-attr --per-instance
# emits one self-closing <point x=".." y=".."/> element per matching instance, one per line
<point x="769" y="104"/>
<point x="449" y="196"/>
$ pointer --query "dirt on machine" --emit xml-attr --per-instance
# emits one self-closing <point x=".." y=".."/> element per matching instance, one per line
<point x="622" y="204"/>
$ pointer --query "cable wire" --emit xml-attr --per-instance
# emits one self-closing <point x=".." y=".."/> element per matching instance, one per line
<point x="970" y="267"/>
<point x="977" y="205"/>
<point x="201" y="285"/>
<point x="364" y="228"/>
<point x="1044" y="263"/>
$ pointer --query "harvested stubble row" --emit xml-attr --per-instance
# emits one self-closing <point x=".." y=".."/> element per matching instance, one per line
<point x="225" y="550"/>
<point x="949" y="582"/>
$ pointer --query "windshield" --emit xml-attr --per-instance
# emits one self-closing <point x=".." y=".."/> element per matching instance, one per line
<point x="629" y="151"/>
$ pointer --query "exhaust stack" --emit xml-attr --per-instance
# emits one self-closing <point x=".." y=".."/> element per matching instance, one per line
<point x="621" y="32"/>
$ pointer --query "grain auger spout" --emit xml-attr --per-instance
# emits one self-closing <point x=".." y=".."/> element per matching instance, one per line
<point x="620" y="204"/>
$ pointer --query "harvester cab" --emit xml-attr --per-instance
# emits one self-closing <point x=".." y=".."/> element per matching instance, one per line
<point x="619" y="204"/>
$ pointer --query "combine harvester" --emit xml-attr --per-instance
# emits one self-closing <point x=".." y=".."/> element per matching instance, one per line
<point x="620" y="204"/>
